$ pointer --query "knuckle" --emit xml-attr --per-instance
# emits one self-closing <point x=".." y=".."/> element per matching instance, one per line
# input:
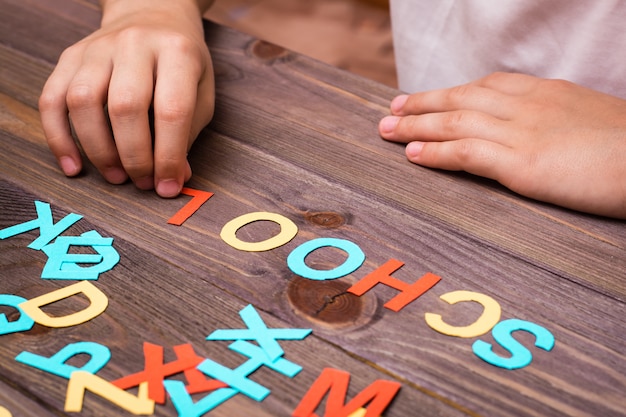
<point x="132" y="35"/>
<point x="465" y="151"/>
<point x="454" y="121"/>
<point x="555" y="84"/>
<point x="181" y="43"/>
<point x="126" y="105"/>
<point x="497" y="76"/>
<point x="172" y="112"/>
<point x="81" y="96"/>
<point x="458" y="95"/>
<point x="50" y="101"/>
<point x="137" y="165"/>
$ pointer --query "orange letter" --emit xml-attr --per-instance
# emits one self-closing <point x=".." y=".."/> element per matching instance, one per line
<point x="334" y="382"/>
<point x="409" y="292"/>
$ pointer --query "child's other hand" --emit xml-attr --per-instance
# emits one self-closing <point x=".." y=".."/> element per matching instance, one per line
<point x="148" y="53"/>
<point x="549" y="140"/>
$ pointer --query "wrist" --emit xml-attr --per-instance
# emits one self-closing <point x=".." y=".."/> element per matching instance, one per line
<point x="115" y="10"/>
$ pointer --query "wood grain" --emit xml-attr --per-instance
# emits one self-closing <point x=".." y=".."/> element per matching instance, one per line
<point x="296" y="137"/>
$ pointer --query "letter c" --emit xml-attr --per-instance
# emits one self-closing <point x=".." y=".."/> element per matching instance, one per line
<point x="486" y="321"/>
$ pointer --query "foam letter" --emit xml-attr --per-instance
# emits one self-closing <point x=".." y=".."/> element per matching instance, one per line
<point x="296" y="258"/>
<point x="98" y="303"/>
<point x="20" y="325"/>
<point x="334" y="382"/>
<point x="63" y="265"/>
<point x="184" y="403"/>
<point x="489" y="318"/>
<point x="199" y="198"/>
<point x="47" y="229"/>
<point x="236" y="378"/>
<point x="56" y="364"/>
<point x="288" y="231"/>
<point x="409" y="292"/>
<point x="258" y="331"/>
<point x="155" y="371"/>
<point x="80" y="381"/>
<point x="520" y="356"/>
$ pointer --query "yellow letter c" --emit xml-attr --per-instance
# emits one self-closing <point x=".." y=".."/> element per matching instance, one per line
<point x="489" y="318"/>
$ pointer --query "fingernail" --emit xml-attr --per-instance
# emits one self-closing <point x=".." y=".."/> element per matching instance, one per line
<point x="413" y="149"/>
<point x="115" y="175"/>
<point x="145" y="183"/>
<point x="168" y="188"/>
<point x="388" y="124"/>
<point x="398" y="103"/>
<point x="69" y="166"/>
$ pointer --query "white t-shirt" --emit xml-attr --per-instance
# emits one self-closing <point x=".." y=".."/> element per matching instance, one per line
<point x="442" y="43"/>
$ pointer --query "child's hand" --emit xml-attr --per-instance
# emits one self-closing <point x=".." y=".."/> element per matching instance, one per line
<point x="148" y="53"/>
<point x="549" y="140"/>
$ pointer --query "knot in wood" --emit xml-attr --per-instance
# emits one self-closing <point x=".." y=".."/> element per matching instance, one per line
<point x="328" y="303"/>
<point x="325" y="219"/>
<point x="268" y="51"/>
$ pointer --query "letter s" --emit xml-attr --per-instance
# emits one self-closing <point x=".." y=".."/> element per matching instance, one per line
<point x="520" y="356"/>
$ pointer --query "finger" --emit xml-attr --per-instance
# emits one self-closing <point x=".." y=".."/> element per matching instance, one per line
<point x="205" y="106"/>
<point x="130" y="96"/>
<point x="55" y="119"/>
<point x="463" y="97"/>
<point x="512" y="84"/>
<point x="86" y="97"/>
<point x="446" y="126"/>
<point x="174" y="104"/>
<point x="484" y="158"/>
<point x="203" y="114"/>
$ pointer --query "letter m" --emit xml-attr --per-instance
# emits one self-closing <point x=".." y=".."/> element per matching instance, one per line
<point x="335" y="382"/>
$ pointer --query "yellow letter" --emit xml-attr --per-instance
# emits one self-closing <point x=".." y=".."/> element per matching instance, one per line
<point x="80" y="381"/>
<point x="98" y="303"/>
<point x="288" y="231"/>
<point x="489" y="318"/>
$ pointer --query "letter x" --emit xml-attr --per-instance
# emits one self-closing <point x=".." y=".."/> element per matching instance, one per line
<point x="258" y="331"/>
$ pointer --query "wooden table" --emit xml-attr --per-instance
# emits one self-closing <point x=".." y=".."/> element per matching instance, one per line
<point x="298" y="139"/>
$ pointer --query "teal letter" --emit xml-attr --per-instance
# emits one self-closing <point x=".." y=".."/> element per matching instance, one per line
<point x="56" y="365"/>
<point x="64" y="265"/>
<point x="520" y="356"/>
<point x="296" y="258"/>
<point x="47" y="229"/>
<point x="20" y="325"/>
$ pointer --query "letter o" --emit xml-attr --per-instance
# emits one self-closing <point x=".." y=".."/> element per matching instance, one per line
<point x="296" y="258"/>
<point x="288" y="231"/>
